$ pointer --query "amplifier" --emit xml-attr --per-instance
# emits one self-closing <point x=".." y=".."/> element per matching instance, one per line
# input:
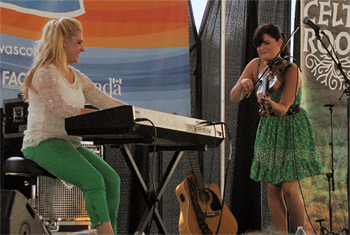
<point x="15" y="117"/>
<point x="60" y="201"/>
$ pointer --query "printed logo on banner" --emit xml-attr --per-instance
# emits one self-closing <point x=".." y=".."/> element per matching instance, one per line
<point x="13" y="80"/>
<point x="13" y="74"/>
<point x="145" y="66"/>
<point x="16" y="57"/>
<point x="51" y="8"/>
<point x="113" y="87"/>
<point x="333" y="17"/>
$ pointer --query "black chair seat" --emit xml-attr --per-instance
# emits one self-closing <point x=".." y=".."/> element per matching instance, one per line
<point x="23" y="167"/>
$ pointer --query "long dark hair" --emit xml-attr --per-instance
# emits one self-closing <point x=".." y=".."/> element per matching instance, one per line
<point x="273" y="31"/>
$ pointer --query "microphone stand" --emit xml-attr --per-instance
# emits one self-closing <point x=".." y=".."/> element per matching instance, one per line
<point x="330" y="176"/>
<point x="347" y="92"/>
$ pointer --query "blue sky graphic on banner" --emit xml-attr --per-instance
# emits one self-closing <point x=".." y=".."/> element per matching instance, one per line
<point x="144" y="66"/>
<point x="49" y="8"/>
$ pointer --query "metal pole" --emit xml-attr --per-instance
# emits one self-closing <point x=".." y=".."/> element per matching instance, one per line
<point x="222" y="93"/>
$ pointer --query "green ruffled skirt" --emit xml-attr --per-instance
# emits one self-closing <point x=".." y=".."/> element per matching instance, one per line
<point x="285" y="149"/>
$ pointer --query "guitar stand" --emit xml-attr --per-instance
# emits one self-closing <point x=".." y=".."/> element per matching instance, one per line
<point x="152" y="198"/>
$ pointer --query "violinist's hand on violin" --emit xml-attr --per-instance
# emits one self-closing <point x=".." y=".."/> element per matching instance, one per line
<point x="266" y="102"/>
<point x="247" y="85"/>
<point x="267" y="98"/>
<point x="265" y="105"/>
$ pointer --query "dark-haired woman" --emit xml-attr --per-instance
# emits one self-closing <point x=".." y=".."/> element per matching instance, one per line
<point x="284" y="147"/>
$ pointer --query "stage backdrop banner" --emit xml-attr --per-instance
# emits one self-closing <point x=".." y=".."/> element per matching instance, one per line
<point x="136" y="51"/>
<point x="323" y="85"/>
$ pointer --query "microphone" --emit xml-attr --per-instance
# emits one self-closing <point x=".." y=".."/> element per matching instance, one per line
<point x="307" y="21"/>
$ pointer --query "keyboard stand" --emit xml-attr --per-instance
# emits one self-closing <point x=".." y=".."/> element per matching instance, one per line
<point x="152" y="200"/>
<point x="128" y="124"/>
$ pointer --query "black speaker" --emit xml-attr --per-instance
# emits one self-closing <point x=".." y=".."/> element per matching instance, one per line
<point x="17" y="215"/>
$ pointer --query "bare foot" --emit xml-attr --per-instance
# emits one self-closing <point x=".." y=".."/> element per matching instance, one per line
<point x="105" y="228"/>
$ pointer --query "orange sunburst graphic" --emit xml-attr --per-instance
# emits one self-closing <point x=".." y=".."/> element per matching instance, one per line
<point x="114" y="23"/>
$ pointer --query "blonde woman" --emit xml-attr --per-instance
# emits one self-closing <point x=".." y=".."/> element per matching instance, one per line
<point x="55" y="90"/>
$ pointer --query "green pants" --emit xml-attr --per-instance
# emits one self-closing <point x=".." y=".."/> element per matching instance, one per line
<point x="83" y="168"/>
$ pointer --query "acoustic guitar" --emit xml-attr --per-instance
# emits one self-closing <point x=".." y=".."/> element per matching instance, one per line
<point x="201" y="206"/>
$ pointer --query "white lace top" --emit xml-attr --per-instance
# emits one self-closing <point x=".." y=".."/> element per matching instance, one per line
<point x="53" y="99"/>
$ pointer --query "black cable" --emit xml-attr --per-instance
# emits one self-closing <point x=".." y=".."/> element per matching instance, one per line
<point x="212" y="157"/>
<point x="225" y="178"/>
<point x="211" y="170"/>
<point x="226" y="170"/>
<point x="293" y="117"/>
<point x="154" y="146"/>
<point x="295" y="94"/>
<point x="295" y="160"/>
<point x="152" y="165"/>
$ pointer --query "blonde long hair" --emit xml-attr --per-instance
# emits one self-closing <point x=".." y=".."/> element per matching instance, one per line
<point x="50" y="48"/>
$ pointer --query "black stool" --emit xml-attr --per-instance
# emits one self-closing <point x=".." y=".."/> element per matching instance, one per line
<point x="19" y="166"/>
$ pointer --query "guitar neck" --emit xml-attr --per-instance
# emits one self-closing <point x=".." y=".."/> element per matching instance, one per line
<point x="196" y="170"/>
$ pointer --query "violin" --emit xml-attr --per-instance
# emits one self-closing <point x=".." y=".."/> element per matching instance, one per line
<point x="271" y="80"/>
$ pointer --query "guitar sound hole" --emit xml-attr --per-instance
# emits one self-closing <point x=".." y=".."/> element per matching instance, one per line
<point x="216" y="204"/>
<point x="207" y="196"/>
<point x="204" y="196"/>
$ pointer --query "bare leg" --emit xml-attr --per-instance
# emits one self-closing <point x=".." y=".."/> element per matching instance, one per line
<point x="104" y="228"/>
<point x="294" y="203"/>
<point x="277" y="207"/>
